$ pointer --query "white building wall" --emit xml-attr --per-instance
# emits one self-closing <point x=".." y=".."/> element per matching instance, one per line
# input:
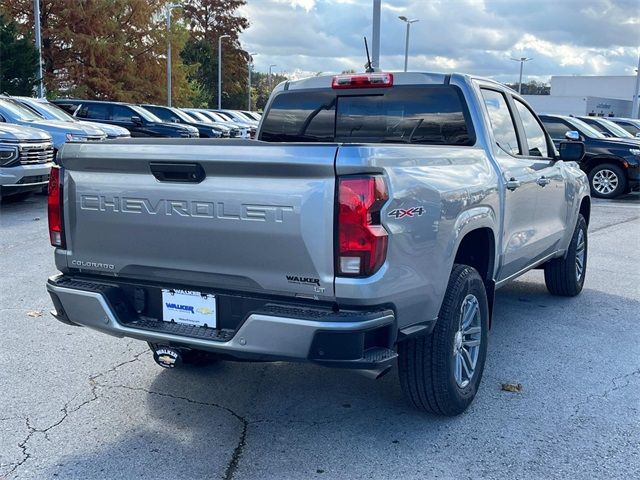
<point x="620" y="87"/>
<point x="558" y="105"/>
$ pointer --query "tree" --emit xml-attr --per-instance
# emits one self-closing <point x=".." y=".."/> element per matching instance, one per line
<point x="111" y="49"/>
<point x="208" y="20"/>
<point x="531" y="88"/>
<point x="18" y="60"/>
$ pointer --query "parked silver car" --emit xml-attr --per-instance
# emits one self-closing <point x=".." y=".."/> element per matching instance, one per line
<point x="26" y="157"/>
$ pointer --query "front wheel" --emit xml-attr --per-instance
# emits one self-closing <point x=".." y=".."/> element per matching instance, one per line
<point x="607" y="181"/>
<point x="565" y="276"/>
<point x="440" y="372"/>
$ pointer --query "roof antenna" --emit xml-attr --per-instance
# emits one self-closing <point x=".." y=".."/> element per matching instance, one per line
<point x="368" y="67"/>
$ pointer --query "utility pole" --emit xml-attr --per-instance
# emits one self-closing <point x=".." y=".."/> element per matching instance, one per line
<point x="521" y="60"/>
<point x="220" y="69"/>
<point x="36" y="17"/>
<point x="249" y="67"/>
<point x="406" y="46"/>
<point x="636" y="99"/>
<point x="375" y="37"/>
<point x="169" y="7"/>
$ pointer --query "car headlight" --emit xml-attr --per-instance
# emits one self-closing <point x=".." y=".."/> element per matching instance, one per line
<point x="73" y="137"/>
<point x="216" y="133"/>
<point x="8" y="154"/>
<point x="635" y="151"/>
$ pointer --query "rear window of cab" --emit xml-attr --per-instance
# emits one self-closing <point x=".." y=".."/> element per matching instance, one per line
<point x="426" y="114"/>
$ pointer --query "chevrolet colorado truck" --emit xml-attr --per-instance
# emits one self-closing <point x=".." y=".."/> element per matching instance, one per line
<point x="372" y="221"/>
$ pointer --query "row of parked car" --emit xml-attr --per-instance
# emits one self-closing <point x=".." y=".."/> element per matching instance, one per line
<point x="33" y="129"/>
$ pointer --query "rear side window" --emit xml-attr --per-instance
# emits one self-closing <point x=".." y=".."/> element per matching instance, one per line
<point x="424" y="115"/>
<point x="536" y="139"/>
<point x="121" y="114"/>
<point x="98" y="111"/>
<point x="504" y="130"/>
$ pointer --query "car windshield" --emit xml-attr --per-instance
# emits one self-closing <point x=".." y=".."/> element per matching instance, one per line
<point x="615" y="129"/>
<point x="200" y="116"/>
<point x="585" y="129"/>
<point x="53" y="111"/>
<point x="146" y="114"/>
<point x="181" y="115"/>
<point x="17" y="111"/>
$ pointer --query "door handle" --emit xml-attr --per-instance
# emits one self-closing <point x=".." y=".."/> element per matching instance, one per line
<point x="512" y="184"/>
<point x="542" y="181"/>
<point x="177" y="172"/>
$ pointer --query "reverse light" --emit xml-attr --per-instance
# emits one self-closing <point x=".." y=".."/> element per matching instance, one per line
<point x="54" y="207"/>
<point x="365" y="80"/>
<point x="362" y="240"/>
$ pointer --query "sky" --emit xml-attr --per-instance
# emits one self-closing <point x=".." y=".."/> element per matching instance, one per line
<point x="563" y="37"/>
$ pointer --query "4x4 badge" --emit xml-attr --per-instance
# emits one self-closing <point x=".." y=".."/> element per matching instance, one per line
<point x="410" y="212"/>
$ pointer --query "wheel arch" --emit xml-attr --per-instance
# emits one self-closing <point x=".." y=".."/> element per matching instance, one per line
<point x="592" y="163"/>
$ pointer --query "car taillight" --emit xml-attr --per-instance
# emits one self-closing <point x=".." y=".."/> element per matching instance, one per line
<point x="362" y="240"/>
<point x="54" y="207"/>
<point x="366" y="80"/>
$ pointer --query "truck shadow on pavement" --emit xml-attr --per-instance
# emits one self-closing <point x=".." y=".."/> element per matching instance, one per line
<point x="279" y="420"/>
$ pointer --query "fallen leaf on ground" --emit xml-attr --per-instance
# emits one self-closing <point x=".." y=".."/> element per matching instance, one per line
<point x="512" y="387"/>
<point x="34" y="313"/>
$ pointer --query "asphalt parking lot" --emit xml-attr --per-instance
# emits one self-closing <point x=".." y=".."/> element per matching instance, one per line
<point x="79" y="404"/>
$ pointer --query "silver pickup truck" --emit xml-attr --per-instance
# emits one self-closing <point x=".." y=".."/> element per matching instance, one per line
<point x="372" y="221"/>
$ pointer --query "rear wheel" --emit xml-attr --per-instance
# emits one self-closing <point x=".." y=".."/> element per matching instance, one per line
<point x="565" y="276"/>
<point x="607" y="181"/>
<point x="185" y="356"/>
<point x="440" y="372"/>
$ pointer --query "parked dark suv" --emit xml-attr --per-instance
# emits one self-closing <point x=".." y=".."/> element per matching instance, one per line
<point x="612" y="164"/>
<point x="137" y="120"/>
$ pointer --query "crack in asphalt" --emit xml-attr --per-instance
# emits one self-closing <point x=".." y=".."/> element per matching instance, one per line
<point x="605" y="394"/>
<point x="609" y="225"/>
<point x="65" y="413"/>
<point x="238" y="450"/>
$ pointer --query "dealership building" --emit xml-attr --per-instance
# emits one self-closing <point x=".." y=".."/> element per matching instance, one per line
<point x="587" y="95"/>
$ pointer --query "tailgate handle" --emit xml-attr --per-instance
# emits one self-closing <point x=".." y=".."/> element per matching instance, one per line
<point x="177" y="172"/>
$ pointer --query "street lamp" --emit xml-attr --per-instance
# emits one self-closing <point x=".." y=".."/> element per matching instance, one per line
<point x="249" y="67"/>
<point x="270" y="67"/>
<point x="169" y="7"/>
<point x="220" y="69"/>
<point x="521" y="60"/>
<point x="406" y="46"/>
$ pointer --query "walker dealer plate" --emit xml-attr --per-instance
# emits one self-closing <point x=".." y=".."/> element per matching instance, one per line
<point x="189" y="308"/>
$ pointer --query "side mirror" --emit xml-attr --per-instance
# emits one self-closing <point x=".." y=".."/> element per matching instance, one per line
<point x="571" y="151"/>
<point x="572" y="135"/>
<point x="136" y="119"/>
<point x="638" y="135"/>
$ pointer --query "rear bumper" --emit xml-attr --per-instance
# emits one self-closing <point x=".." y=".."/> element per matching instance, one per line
<point x="346" y="339"/>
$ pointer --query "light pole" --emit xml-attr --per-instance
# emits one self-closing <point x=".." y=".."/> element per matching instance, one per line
<point x="220" y="69"/>
<point x="249" y="67"/>
<point x="521" y="60"/>
<point x="169" y="7"/>
<point x="36" y="17"/>
<point x="270" y="67"/>
<point x="406" y="45"/>
<point x="636" y="98"/>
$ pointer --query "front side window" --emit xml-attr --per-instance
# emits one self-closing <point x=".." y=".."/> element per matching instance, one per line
<point x="536" y="138"/>
<point x="504" y="130"/>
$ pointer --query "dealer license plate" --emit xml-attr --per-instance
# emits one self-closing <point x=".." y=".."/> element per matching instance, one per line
<point x="189" y="308"/>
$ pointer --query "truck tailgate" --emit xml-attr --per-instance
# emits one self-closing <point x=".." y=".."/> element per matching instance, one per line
<point x="260" y="220"/>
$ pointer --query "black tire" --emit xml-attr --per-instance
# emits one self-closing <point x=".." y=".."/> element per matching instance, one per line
<point x="198" y="358"/>
<point x="561" y="275"/>
<point x="607" y="171"/>
<point x="426" y="363"/>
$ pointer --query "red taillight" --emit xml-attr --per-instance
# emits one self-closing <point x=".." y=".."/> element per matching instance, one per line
<point x="362" y="240"/>
<point x="56" y="225"/>
<point x="366" y="80"/>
